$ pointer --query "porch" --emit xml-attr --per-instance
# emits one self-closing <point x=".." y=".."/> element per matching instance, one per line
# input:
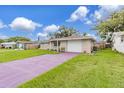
<point x="59" y="46"/>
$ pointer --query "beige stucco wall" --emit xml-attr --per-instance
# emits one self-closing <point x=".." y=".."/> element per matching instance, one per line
<point x="31" y="46"/>
<point x="87" y="46"/>
<point x="51" y="46"/>
<point x="63" y="44"/>
<point x="44" y="46"/>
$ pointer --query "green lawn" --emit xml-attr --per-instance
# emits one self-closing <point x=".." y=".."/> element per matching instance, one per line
<point x="9" y="55"/>
<point x="104" y="69"/>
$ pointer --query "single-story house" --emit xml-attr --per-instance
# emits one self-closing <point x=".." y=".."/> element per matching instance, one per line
<point x="72" y="44"/>
<point x="9" y="45"/>
<point x="118" y="41"/>
<point x="44" y="45"/>
<point x="100" y="44"/>
<point x="27" y="45"/>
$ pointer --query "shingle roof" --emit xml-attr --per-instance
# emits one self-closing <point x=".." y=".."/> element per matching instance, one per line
<point x="74" y="38"/>
<point x="26" y="42"/>
<point x="8" y="43"/>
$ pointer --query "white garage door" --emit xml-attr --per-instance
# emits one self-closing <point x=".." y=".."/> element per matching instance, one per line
<point x="74" y="46"/>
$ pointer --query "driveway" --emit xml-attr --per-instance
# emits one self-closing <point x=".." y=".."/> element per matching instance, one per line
<point x="17" y="72"/>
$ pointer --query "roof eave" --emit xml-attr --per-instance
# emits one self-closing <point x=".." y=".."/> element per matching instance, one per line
<point x="72" y="39"/>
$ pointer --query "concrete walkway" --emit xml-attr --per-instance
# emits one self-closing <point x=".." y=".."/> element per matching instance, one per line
<point x="17" y="72"/>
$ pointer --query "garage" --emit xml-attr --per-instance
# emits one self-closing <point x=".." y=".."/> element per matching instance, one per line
<point x="74" y="46"/>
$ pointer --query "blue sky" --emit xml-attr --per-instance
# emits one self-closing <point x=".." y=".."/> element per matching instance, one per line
<point x="33" y="21"/>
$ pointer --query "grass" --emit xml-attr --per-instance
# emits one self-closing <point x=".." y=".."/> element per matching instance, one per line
<point x="105" y="69"/>
<point x="7" y="55"/>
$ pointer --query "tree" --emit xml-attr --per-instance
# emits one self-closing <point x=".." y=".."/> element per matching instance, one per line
<point x="1" y="40"/>
<point x="115" y="23"/>
<point x="63" y="32"/>
<point x="17" y="38"/>
<point x="84" y="34"/>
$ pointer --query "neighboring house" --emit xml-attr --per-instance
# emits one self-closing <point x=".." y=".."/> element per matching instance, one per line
<point x="9" y="45"/>
<point x="27" y="45"/>
<point x="118" y="41"/>
<point x="100" y="44"/>
<point x="73" y="44"/>
<point x="44" y="45"/>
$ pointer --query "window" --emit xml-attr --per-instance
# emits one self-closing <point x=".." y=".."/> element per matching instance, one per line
<point x="55" y="43"/>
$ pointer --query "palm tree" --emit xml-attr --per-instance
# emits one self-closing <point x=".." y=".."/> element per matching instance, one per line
<point x="65" y="31"/>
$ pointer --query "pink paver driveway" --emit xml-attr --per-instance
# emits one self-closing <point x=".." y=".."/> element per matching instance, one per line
<point x="16" y="72"/>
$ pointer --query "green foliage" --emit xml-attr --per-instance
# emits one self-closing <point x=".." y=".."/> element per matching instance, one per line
<point x="84" y="34"/>
<point x="1" y="40"/>
<point x="115" y="23"/>
<point x="17" y="38"/>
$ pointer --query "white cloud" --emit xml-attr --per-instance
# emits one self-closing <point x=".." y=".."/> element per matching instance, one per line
<point x="78" y="14"/>
<point x="51" y="28"/>
<point x="46" y="30"/>
<point x="105" y="10"/>
<point x="42" y="34"/>
<point x="88" y="22"/>
<point x="92" y="35"/>
<point x="97" y="15"/>
<point x="102" y="13"/>
<point x="3" y="36"/>
<point x="24" y="24"/>
<point x="2" y="25"/>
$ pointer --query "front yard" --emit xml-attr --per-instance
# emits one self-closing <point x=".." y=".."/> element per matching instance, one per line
<point x="104" y="69"/>
<point x="9" y="55"/>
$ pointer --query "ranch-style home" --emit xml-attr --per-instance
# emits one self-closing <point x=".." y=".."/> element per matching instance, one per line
<point x="27" y="45"/>
<point x="72" y="44"/>
<point x="118" y="41"/>
<point x="44" y="45"/>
